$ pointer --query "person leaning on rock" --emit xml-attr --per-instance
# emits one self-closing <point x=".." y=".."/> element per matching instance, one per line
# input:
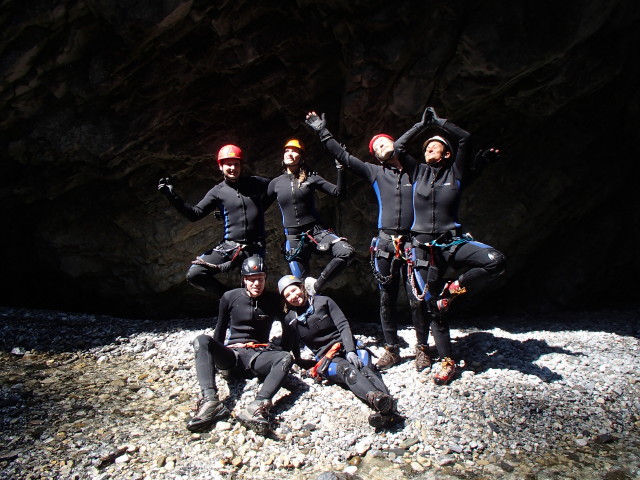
<point x="389" y="248"/>
<point x="241" y="202"/>
<point x="317" y="322"/>
<point x="305" y="233"/>
<point x="446" y="263"/>
<point x="248" y="313"/>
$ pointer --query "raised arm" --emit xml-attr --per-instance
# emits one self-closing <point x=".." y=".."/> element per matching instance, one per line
<point x="319" y="125"/>
<point x="408" y="162"/>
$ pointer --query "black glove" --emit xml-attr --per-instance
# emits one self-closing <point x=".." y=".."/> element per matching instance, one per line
<point x="435" y="119"/>
<point x="165" y="186"/>
<point x="317" y="123"/>
<point x="427" y="116"/>
<point x="354" y="359"/>
<point x="484" y="158"/>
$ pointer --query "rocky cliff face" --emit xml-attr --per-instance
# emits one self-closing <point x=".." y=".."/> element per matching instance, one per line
<point x="101" y="98"/>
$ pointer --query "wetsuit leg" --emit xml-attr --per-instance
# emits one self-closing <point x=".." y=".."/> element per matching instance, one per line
<point x="272" y="366"/>
<point x="388" y="292"/>
<point x="342" y="253"/>
<point x="299" y="265"/>
<point x="354" y="379"/>
<point x="441" y="335"/>
<point x="203" y="277"/>
<point x="211" y="354"/>
<point x="482" y="265"/>
<point x="418" y="313"/>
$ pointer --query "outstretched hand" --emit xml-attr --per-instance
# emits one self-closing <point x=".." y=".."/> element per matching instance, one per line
<point x="317" y="123"/>
<point x="165" y="186"/>
<point x="485" y="157"/>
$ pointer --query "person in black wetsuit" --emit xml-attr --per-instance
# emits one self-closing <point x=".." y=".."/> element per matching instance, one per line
<point x="304" y="230"/>
<point x="317" y="322"/>
<point x="247" y="313"/>
<point x="394" y="191"/>
<point x="241" y="202"/>
<point x="446" y="262"/>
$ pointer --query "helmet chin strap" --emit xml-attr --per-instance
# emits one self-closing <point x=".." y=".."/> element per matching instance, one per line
<point x="386" y="159"/>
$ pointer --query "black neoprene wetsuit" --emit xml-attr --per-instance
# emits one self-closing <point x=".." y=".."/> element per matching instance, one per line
<point x="319" y="328"/>
<point x="301" y="221"/>
<point x="297" y="200"/>
<point x="392" y="187"/>
<point x="436" y="189"/>
<point x="248" y="321"/>
<point x="436" y="201"/>
<point x="394" y="191"/>
<point x="242" y="204"/>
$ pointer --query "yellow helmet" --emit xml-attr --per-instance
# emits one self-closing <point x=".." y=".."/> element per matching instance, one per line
<point x="294" y="143"/>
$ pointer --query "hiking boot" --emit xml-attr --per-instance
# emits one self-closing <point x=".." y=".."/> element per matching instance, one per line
<point x="380" y="420"/>
<point x="208" y="411"/>
<point x="423" y="360"/>
<point x="445" y="372"/>
<point x="450" y="291"/>
<point x="255" y="416"/>
<point x="390" y="357"/>
<point x="310" y="285"/>
<point x="380" y="401"/>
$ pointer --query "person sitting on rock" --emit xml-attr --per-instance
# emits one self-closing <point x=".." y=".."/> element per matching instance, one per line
<point x="439" y="245"/>
<point x="305" y="233"/>
<point x="248" y="313"/>
<point x="317" y="322"/>
<point x="241" y="202"/>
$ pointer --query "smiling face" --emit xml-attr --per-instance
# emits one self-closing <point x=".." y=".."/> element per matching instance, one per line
<point x="255" y="284"/>
<point x="291" y="158"/>
<point x="435" y="152"/>
<point x="295" y="295"/>
<point x="231" y="168"/>
<point x="383" y="149"/>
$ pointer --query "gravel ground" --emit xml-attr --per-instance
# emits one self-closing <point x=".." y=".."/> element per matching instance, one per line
<point x="540" y="396"/>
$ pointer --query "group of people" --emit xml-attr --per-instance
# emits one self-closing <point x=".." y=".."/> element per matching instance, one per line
<point x="419" y="244"/>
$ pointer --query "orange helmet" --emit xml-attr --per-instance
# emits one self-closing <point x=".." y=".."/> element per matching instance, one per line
<point x="229" y="151"/>
<point x="294" y="143"/>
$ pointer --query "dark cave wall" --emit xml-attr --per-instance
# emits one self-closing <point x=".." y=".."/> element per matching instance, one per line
<point x="100" y="99"/>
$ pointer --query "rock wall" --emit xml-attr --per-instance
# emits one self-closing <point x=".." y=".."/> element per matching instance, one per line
<point x="99" y="99"/>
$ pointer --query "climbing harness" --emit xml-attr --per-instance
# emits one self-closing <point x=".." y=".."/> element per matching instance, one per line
<point x="398" y="255"/>
<point x="321" y="367"/>
<point x="413" y="262"/>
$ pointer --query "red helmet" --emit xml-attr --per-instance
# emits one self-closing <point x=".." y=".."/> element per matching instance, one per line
<point x="229" y="151"/>
<point x="375" y="137"/>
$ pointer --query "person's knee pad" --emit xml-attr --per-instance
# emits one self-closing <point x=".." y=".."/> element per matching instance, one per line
<point x="286" y="361"/>
<point x="201" y="341"/>
<point x="348" y="373"/>
<point x="497" y="262"/>
<point x="342" y="249"/>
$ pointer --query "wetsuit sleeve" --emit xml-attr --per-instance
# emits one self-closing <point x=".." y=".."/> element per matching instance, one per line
<point x="262" y="185"/>
<point x="194" y="213"/>
<point x="270" y="196"/>
<point x="359" y="167"/>
<point x="328" y="187"/>
<point x="463" y="139"/>
<point x="341" y="322"/>
<point x="220" y="332"/>
<point x="289" y="341"/>
<point x="409" y="164"/>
